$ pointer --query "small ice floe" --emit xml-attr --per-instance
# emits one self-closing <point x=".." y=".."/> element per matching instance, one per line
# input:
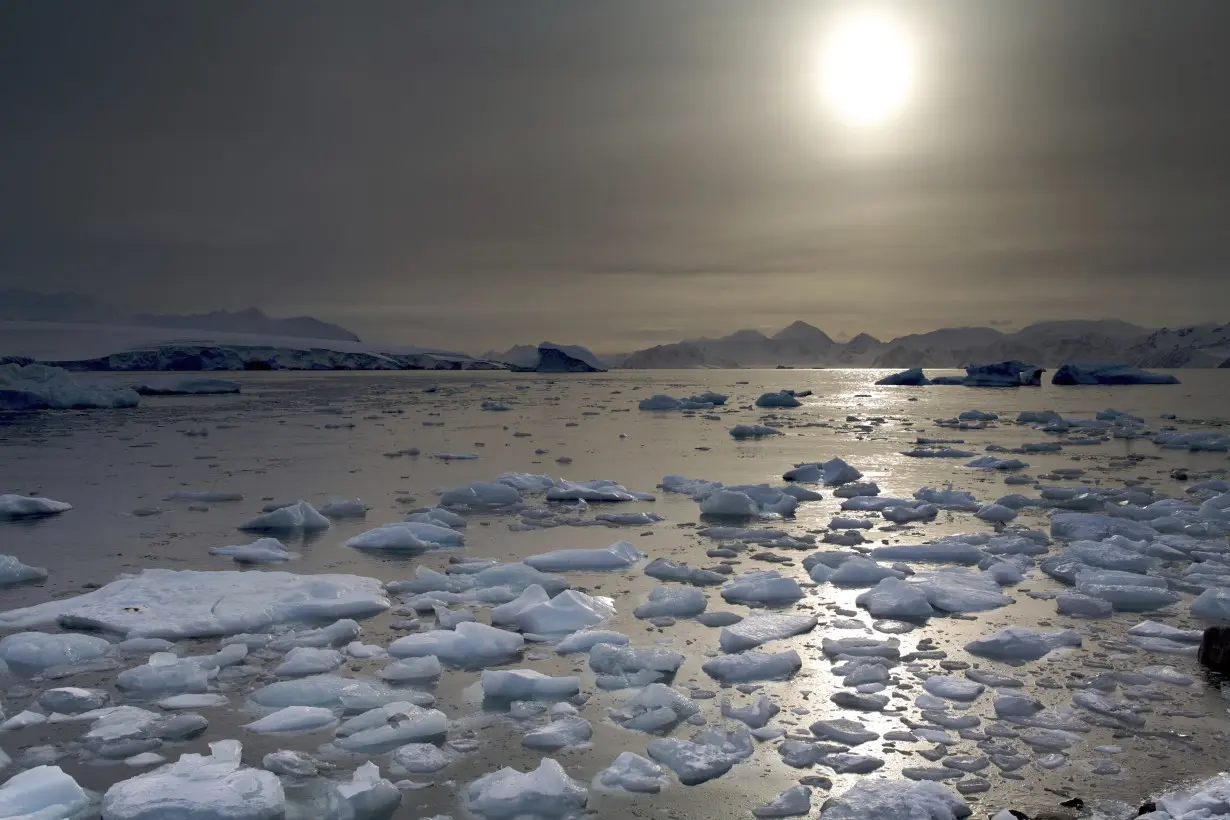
<point x="639" y="519"/>
<point x="948" y="498"/>
<point x="993" y="463"/>
<point x="455" y="456"/>
<point x="623" y="666"/>
<point x="672" y="602"/>
<point x="747" y="667"/>
<point x="661" y="402"/>
<point x="782" y="398"/>
<point x="214" y="785"/>
<point x="547" y="792"/>
<point x="494" y="406"/>
<point x="23" y="506"/>
<point x="762" y="587"/>
<point x="753" y="431"/>
<point x="210" y="497"/>
<point x="13" y="571"/>
<point x="300" y="516"/>
<point x="586" y="639"/>
<point x="697" y="488"/>
<point x="631" y="773"/>
<point x="409" y="536"/>
<point x="32" y="652"/>
<point x="470" y="644"/>
<point x="536" y="612"/>
<point x="656" y="708"/>
<point x="760" y="628"/>
<point x="188" y="387"/>
<point x="350" y="508"/>
<point x="620" y="555"/>
<point x="938" y="452"/>
<point x="832" y="473"/>
<point x="43" y="792"/>
<point x="412" y="670"/>
<point x="1017" y="643"/>
<point x="293" y="719"/>
<point x="368" y="794"/>
<point x="565" y="732"/>
<point x="262" y="551"/>
<point x="748" y="501"/>
<point x="598" y="490"/>
<point x="709" y="754"/>
<point x="527" y="684"/>
<point x="161" y="603"/>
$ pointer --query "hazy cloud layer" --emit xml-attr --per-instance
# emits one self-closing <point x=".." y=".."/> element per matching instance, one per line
<point x="617" y="174"/>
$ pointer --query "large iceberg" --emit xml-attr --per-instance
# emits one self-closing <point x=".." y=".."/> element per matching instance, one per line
<point x="199" y="787"/>
<point x="1003" y="374"/>
<point x="1108" y="373"/>
<point x="173" y="604"/>
<point x="38" y="387"/>
<point x="555" y="358"/>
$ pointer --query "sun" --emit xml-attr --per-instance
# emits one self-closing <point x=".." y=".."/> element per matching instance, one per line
<point x="867" y="68"/>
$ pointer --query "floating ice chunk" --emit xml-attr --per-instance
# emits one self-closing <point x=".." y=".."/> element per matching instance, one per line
<point x="1083" y="606"/>
<point x="696" y="488"/>
<point x="216" y="786"/>
<point x="993" y="463"/>
<point x="943" y="452"/>
<point x="782" y="398"/>
<point x="956" y="590"/>
<point x="913" y="377"/>
<point x="731" y="504"/>
<point x="794" y="802"/>
<point x="189" y="603"/>
<point x="953" y="688"/>
<point x="1213" y="604"/>
<point x="663" y="402"/>
<point x="755" y="716"/>
<point x="862" y="648"/>
<point x="407" y="535"/>
<point x="948" y="499"/>
<point x="261" y="551"/>
<point x="165" y="673"/>
<point x="353" y="508"/>
<point x="300" y="516"/>
<point x="42" y="793"/>
<point x="12" y="571"/>
<point x="412" y="670"/>
<point x="655" y="708"/>
<point x="676" y="602"/>
<point x="527" y="684"/>
<point x="369" y="794"/>
<point x="996" y="513"/>
<point x="948" y="551"/>
<point x="72" y="700"/>
<point x="640" y="519"/>
<point x="1017" y="643"/>
<point x="610" y="659"/>
<point x="386" y="727"/>
<point x="858" y="572"/>
<point x="1153" y="629"/>
<point x="857" y="490"/>
<point x="469" y="644"/>
<point x="21" y="720"/>
<point x="293" y="719"/>
<point x="304" y="660"/>
<point x="895" y="800"/>
<point x="1166" y="674"/>
<point x="492" y="405"/>
<point x="40" y="387"/>
<point x="1109" y="556"/>
<point x="481" y="495"/>
<point x="894" y="598"/>
<point x="632" y="773"/>
<point x="1076" y="526"/>
<point x="547" y="793"/>
<point x="35" y="651"/>
<point x="418" y="758"/>
<point x="1005" y="573"/>
<point x="753" y="666"/>
<point x="704" y="758"/>
<point x="832" y="473"/>
<point x="533" y="611"/>
<point x="753" y="431"/>
<point x="763" y="587"/>
<point x="188" y="387"/>
<point x="438" y="515"/>
<point x="597" y="490"/>
<point x="23" y="506"/>
<point x="843" y="730"/>
<point x="910" y="512"/>
<point x="666" y="570"/>
<point x="193" y="701"/>
<point x="332" y="692"/>
<point x="757" y="629"/>
<point x="559" y="734"/>
<point x="619" y="555"/>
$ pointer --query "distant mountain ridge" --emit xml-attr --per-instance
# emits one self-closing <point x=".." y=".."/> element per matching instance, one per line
<point x="23" y="305"/>
<point x="1046" y="343"/>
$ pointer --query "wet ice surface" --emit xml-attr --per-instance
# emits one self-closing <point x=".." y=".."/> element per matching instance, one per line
<point x="1119" y="717"/>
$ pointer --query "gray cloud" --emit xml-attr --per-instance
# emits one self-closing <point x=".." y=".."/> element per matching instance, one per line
<point x="619" y="174"/>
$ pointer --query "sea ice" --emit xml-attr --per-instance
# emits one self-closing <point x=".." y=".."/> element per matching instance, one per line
<point x="632" y="773"/>
<point x="470" y="644"/>
<point x="300" y="516"/>
<point x="666" y="570"/>
<point x="535" y="612"/>
<point x="547" y="793"/>
<point x="39" y="387"/>
<point x="782" y="398"/>
<point x="527" y="684"/>
<point x="481" y="495"/>
<point x="559" y="734"/>
<point x="412" y="536"/>
<point x="753" y="431"/>
<point x="1108" y="373"/>
<point x="757" y="629"/>
<point x="676" y="602"/>
<point x="261" y="551"/>
<point x="598" y="490"/>
<point x="332" y="692"/>
<point x="188" y="387"/>
<point x="913" y="377"/>
<point x="894" y="598"/>
<point x="12" y="571"/>
<point x="763" y="587"/>
<point x="746" y="667"/>
<point x="188" y="603"/>
<point x="24" y="506"/>
<point x="386" y="727"/>
<point x="35" y="651"/>
<point x="833" y="472"/>
<point x="418" y="758"/>
<point x="293" y="719"/>
<point x="216" y="786"/>
<point x="619" y="555"/>
<point x="1017" y="643"/>
<point x="42" y="793"/>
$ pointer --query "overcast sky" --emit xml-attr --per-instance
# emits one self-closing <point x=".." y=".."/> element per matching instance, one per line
<point x="616" y="173"/>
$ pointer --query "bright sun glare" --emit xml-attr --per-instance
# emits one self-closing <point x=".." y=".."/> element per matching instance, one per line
<point x="867" y="68"/>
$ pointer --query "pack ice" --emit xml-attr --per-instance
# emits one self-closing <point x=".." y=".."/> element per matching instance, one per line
<point x="174" y="604"/>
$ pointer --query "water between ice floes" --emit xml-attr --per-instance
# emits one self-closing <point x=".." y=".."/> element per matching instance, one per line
<point x="338" y="436"/>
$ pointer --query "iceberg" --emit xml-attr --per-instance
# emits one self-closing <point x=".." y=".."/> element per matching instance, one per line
<point x="762" y="587"/>
<point x="39" y="387"/>
<point x="547" y="793"/>
<point x="757" y="629"/>
<point x="1003" y="374"/>
<point x="261" y="551"/>
<point x="188" y="387"/>
<point x="481" y="495"/>
<point x="410" y="536"/>
<point x="293" y="719"/>
<point x="527" y="684"/>
<point x="42" y="793"/>
<point x="1108" y="373"/>
<point x="35" y="651"/>
<point x="895" y="800"/>
<point x="199" y="787"/>
<point x="469" y="644"/>
<point x="1017" y="643"/>
<point x="535" y="612"/>
<point x="632" y="773"/>
<point x="913" y="377"/>
<point x="832" y="473"/>
<point x="782" y="398"/>
<point x="23" y="506"/>
<point x="753" y="431"/>
<point x="174" y="604"/>
<point x="300" y="516"/>
<point x="620" y="555"/>
<point x="751" y="666"/>
<point x="597" y="490"/>
<point x="12" y="572"/>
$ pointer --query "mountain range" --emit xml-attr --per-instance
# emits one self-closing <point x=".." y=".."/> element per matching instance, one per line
<point x="1047" y="344"/>
<point x="22" y="305"/>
